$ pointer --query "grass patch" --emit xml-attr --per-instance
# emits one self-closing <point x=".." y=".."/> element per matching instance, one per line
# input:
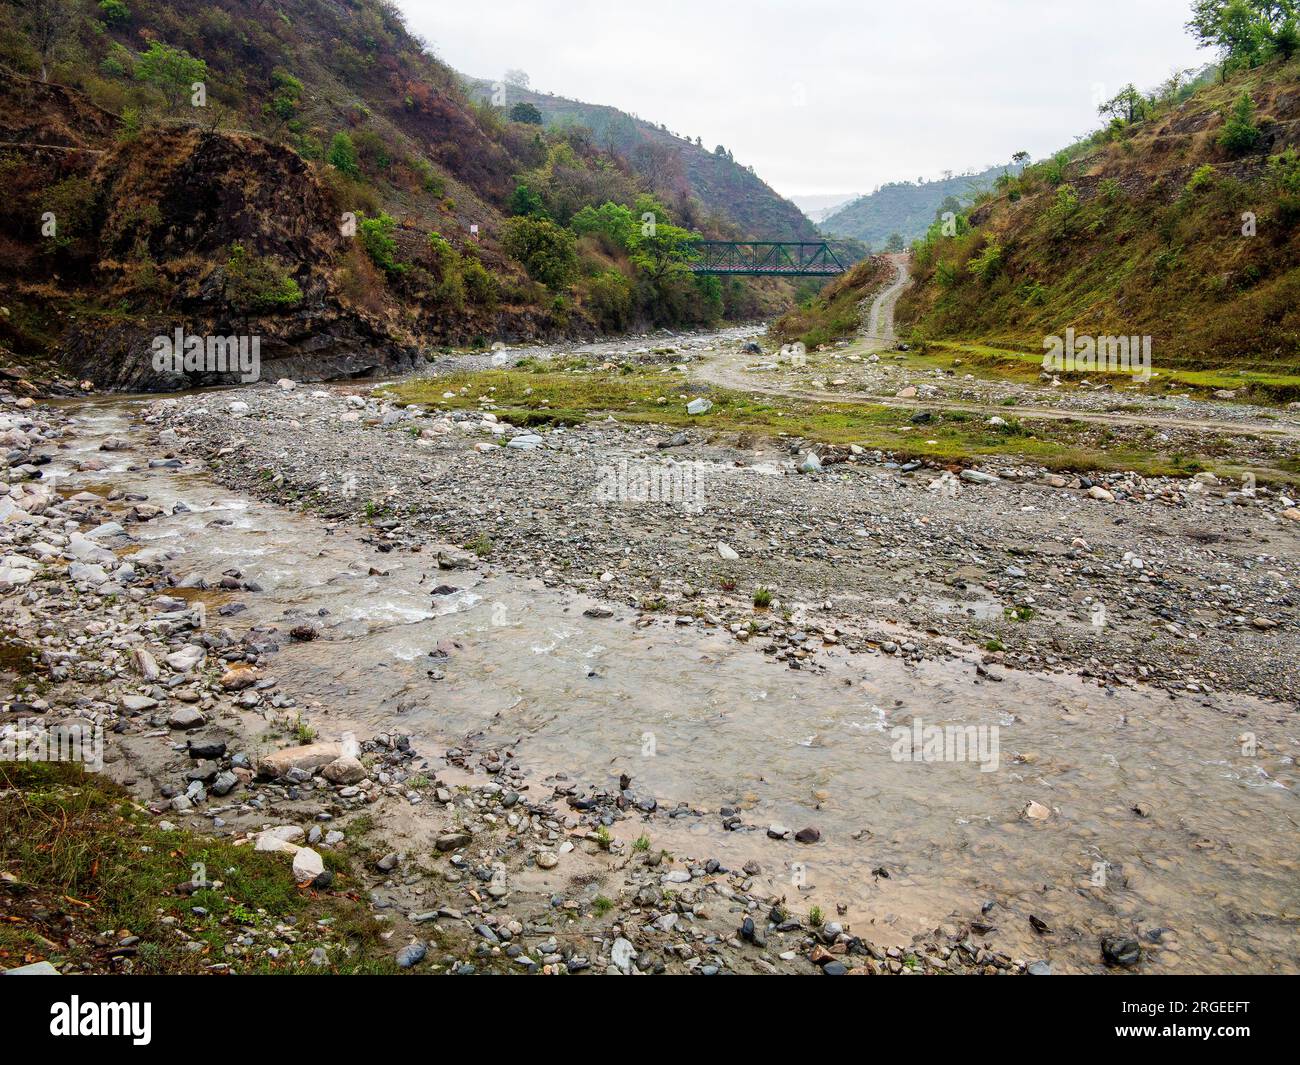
<point x="953" y="437"/>
<point x="92" y="868"/>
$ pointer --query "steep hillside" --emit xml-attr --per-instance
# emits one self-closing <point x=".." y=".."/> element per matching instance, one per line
<point x="1182" y="225"/>
<point x="728" y="193"/>
<point x="906" y="208"/>
<point x="308" y="173"/>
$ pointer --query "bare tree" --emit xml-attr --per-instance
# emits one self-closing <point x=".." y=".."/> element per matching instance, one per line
<point x="50" y="23"/>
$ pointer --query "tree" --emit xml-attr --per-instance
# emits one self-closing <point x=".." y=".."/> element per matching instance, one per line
<point x="545" y="250"/>
<point x="286" y="97"/>
<point x="1021" y="159"/>
<point x="518" y="78"/>
<point x="525" y="202"/>
<point x="526" y="112"/>
<point x="1127" y="105"/>
<point x="343" y="155"/>
<point x="894" y="243"/>
<point x="1240" y="133"/>
<point x="1247" y="32"/>
<point x="172" y="71"/>
<point x="49" y="23"/>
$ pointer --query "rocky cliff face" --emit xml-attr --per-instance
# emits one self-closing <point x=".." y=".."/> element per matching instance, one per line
<point x="217" y="234"/>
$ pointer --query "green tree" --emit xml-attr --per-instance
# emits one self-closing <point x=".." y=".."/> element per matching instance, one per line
<point x="526" y="202"/>
<point x="377" y="239"/>
<point x="1240" y="134"/>
<point x="612" y="221"/>
<point x="114" y="12"/>
<point x="49" y="23"/>
<point x="286" y="97"/>
<point x="1246" y="32"/>
<point x="527" y="113"/>
<point x="894" y="243"/>
<point x="1127" y="105"/>
<point x="172" y="71"/>
<point x="545" y="250"/>
<point x="343" y="155"/>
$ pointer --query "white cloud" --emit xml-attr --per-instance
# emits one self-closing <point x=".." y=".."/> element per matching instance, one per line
<point x="830" y="96"/>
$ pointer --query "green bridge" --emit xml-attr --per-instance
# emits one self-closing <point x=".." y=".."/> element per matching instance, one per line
<point x="777" y="258"/>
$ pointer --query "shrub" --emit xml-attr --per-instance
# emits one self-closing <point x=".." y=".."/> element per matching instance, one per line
<point x="1240" y="134"/>
<point x="377" y="238"/>
<point x="258" y="284"/>
<point x="985" y="265"/>
<point x="609" y="298"/>
<point x="343" y="155"/>
<point x="1061" y="214"/>
<point x="1202" y="178"/>
<point x="545" y="250"/>
<point x="114" y="12"/>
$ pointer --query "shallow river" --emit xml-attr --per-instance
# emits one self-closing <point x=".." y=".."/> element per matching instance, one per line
<point x="698" y="717"/>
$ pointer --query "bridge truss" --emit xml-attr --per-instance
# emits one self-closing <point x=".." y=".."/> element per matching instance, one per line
<point x="776" y="258"/>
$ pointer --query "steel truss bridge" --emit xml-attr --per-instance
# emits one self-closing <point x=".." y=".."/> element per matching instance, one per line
<point x="776" y="258"/>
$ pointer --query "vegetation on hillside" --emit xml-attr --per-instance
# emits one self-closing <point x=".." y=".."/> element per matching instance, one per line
<point x="462" y="211"/>
<point x="704" y="187"/>
<point x="1178" y="220"/>
<point x="835" y="311"/>
<point x="900" y="212"/>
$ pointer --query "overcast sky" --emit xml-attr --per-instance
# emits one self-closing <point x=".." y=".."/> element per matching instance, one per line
<point x="830" y="96"/>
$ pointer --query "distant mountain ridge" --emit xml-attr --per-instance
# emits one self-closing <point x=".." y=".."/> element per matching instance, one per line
<point x="905" y="207"/>
<point x="729" y="191"/>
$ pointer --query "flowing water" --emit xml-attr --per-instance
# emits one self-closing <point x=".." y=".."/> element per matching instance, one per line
<point x="695" y="716"/>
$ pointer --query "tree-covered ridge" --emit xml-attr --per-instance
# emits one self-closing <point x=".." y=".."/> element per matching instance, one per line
<point x="904" y="209"/>
<point x="702" y="185"/>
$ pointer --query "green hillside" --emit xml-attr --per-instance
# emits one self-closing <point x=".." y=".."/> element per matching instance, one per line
<point x="907" y="208"/>
<point x="1181" y="223"/>
<point x="728" y="194"/>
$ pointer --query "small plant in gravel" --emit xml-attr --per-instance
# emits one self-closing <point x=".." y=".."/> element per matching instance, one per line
<point x="480" y="545"/>
<point x="642" y="843"/>
<point x="762" y="598"/>
<point x="815" y="917"/>
<point x="601" y="905"/>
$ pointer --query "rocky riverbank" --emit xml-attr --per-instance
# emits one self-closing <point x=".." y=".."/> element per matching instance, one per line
<point x="1188" y="584"/>
<point x="465" y="863"/>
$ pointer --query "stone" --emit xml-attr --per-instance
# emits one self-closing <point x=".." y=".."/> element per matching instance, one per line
<point x="344" y="770"/>
<point x="1121" y="950"/>
<point x="1035" y="811"/>
<point x="186" y="717"/>
<point x="622" y="953"/>
<point x="727" y="552"/>
<point x="307" y="865"/>
<point x="411" y="954"/>
<point x="308" y="758"/>
<point x="699" y="405"/>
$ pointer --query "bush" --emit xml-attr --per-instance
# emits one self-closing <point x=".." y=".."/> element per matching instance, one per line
<point x="609" y="298"/>
<point x="1202" y="178"/>
<point x="254" y="284"/>
<point x="545" y="250"/>
<point x="343" y="155"/>
<point x="1240" y="134"/>
<point x="985" y="265"/>
<point x="1061" y="214"/>
<point x="114" y="12"/>
<point x="377" y="238"/>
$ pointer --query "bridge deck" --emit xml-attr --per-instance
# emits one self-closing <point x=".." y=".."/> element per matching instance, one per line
<point x="771" y="258"/>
